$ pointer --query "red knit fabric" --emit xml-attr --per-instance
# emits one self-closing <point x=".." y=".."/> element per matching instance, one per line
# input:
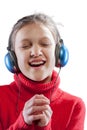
<point x="68" y="110"/>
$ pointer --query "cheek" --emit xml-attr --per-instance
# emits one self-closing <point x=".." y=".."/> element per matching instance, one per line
<point x="21" y="58"/>
<point x="53" y="60"/>
<point x="51" y="55"/>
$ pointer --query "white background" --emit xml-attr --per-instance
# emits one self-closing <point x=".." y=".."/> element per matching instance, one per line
<point x="71" y="17"/>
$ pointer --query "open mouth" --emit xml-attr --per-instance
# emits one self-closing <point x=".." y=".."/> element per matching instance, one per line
<point x="37" y="64"/>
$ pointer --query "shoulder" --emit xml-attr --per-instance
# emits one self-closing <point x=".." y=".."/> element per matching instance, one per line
<point x="5" y="89"/>
<point x="72" y="100"/>
<point x="6" y="85"/>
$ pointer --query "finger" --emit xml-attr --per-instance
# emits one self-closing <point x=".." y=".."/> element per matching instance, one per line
<point x="36" y="109"/>
<point x="35" y="117"/>
<point x="29" y="119"/>
<point x="37" y="100"/>
<point x="41" y="96"/>
<point x="41" y="119"/>
<point x="30" y="102"/>
<point x="45" y="97"/>
<point x="48" y="113"/>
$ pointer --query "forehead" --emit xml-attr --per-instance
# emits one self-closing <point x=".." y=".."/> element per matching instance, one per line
<point x="34" y="30"/>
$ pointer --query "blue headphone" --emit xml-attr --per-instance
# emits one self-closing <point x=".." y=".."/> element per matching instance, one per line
<point x="61" y="58"/>
<point x="61" y="54"/>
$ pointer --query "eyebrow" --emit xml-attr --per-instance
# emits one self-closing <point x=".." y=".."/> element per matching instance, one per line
<point x="42" y="38"/>
<point x="25" y="40"/>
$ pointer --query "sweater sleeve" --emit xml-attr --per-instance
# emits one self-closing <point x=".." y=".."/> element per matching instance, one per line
<point x="20" y="124"/>
<point x="77" y="118"/>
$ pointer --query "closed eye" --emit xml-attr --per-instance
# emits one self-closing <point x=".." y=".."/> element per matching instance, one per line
<point x="26" y="45"/>
<point x="45" y="44"/>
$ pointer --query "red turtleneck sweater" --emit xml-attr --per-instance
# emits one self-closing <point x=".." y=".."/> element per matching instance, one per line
<point x="68" y="110"/>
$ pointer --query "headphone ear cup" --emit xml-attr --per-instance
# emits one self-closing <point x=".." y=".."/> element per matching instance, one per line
<point x="62" y="55"/>
<point x="11" y="62"/>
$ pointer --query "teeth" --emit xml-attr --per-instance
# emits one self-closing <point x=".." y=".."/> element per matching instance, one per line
<point x="36" y="63"/>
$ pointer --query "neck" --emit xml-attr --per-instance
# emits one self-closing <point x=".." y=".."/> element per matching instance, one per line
<point x="40" y="86"/>
<point x="46" y="80"/>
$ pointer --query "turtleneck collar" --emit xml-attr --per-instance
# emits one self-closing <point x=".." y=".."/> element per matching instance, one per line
<point x="37" y="86"/>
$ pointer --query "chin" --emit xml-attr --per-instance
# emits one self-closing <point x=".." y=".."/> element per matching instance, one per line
<point x="39" y="77"/>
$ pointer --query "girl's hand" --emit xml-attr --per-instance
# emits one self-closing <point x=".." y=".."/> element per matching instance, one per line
<point x="37" y="110"/>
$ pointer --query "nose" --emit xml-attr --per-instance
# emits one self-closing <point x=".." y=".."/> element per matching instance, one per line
<point x="36" y="51"/>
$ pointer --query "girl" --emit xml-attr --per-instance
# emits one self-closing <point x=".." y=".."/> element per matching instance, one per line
<point x="34" y="101"/>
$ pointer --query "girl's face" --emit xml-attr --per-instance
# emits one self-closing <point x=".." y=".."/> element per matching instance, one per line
<point x="35" y="51"/>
